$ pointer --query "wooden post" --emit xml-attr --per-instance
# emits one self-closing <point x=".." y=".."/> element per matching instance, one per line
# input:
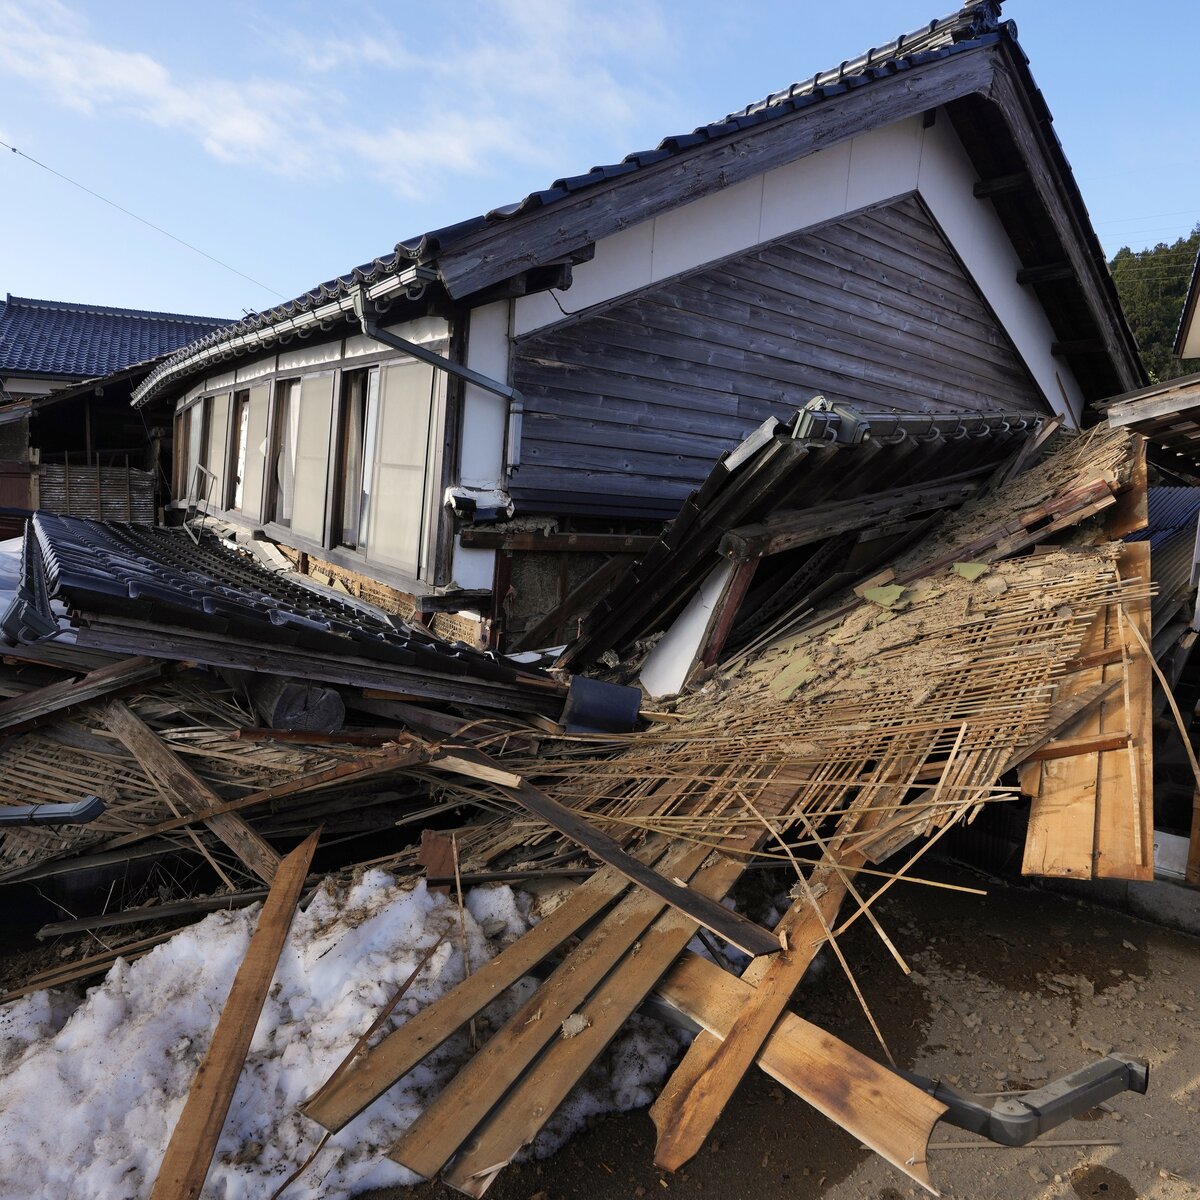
<point x="194" y="1140"/>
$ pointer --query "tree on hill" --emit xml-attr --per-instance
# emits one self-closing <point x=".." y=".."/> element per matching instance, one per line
<point x="1152" y="285"/>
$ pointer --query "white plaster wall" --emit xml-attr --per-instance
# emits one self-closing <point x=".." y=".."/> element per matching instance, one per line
<point x="309" y="355"/>
<point x="945" y="183"/>
<point x="217" y="383"/>
<point x="484" y="428"/>
<point x="256" y="369"/>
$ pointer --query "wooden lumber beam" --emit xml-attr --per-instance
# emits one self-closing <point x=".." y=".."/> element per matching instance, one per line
<point x="521" y="1114"/>
<point x="884" y="1111"/>
<point x="167" y="770"/>
<point x="370" y="1075"/>
<point x="31" y="708"/>
<point x="731" y="926"/>
<point x="557" y="543"/>
<point x="1131" y="512"/>
<point x="1073" y="747"/>
<point x="438" y="1133"/>
<point x="696" y="1094"/>
<point x="194" y="1140"/>
<point x="411" y="754"/>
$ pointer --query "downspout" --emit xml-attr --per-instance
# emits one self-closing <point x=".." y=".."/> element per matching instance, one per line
<point x="516" y="402"/>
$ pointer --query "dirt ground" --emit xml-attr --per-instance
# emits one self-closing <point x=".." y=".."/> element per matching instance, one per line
<point x="1007" y="992"/>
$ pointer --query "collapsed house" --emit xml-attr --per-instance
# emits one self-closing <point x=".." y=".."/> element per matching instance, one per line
<point x="790" y="506"/>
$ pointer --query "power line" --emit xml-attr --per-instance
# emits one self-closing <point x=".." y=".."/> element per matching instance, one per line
<point x="150" y="224"/>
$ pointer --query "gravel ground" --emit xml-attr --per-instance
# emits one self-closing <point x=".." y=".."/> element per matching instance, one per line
<point x="1007" y="992"/>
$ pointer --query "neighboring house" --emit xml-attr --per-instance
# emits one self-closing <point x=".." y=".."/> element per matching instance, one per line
<point x="53" y="422"/>
<point x="902" y="232"/>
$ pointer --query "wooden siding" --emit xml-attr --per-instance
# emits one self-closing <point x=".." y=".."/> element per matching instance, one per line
<point x="628" y="405"/>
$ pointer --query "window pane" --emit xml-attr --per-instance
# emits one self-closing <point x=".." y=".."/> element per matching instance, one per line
<point x="283" y="464"/>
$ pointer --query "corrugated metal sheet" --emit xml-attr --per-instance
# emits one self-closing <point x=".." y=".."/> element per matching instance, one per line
<point x="1169" y="509"/>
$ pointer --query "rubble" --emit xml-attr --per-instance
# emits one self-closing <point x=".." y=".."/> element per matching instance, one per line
<point x="815" y="729"/>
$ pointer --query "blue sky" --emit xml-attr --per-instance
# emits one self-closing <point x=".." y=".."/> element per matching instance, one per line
<point x="294" y="141"/>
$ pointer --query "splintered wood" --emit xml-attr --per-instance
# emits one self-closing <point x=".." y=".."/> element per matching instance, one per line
<point x="846" y="739"/>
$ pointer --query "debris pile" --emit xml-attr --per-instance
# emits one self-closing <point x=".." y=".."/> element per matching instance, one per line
<point x="861" y="633"/>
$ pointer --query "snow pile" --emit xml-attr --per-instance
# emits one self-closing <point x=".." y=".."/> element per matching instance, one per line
<point x="89" y="1096"/>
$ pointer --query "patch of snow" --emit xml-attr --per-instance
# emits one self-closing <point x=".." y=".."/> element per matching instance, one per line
<point x="90" y="1091"/>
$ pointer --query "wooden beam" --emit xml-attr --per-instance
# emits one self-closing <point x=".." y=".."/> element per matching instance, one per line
<point x="340" y="1100"/>
<point x="1046" y="273"/>
<point x="884" y="1111"/>
<point x="1073" y="747"/>
<point x="556" y="543"/>
<point x="194" y="1139"/>
<point x="33" y="707"/>
<point x="1001" y="185"/>
<point x="732" y="927"/>
<point x="166" y="769"/>
<point x="1079" y="346"/>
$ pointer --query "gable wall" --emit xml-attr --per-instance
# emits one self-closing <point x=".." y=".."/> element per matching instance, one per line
<point x="870" y="169"/>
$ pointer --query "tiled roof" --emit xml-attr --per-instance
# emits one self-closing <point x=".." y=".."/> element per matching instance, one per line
<point x="82" y="341"/>
<point x="977" y="22"/>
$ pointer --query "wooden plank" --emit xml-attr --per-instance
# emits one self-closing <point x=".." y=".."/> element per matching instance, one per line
<point x="164" y="767"/>
<point x="25" y="711"/>
<point x="370" y="1075"/>
<point x="437" y="1134"/>
<point x="1125" y="802"/>
<point x="696" y="1094"/>
<point x="556" y="543"/>
<point x="1073" y="747"/>
<point x="194" y="1139"/>
<point x="358" y="769"/>
<point x="437" y="857"/>
<point x="887" y="1113"/>
<point x="522" y="1113"/>
<point x="731" y="926"/>
<point x="1062" y="816"/>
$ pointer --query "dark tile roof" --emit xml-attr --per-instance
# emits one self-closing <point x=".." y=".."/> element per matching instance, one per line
<point x="214" y="605"/>
<point x="977" y="22"/>
<point x="82" y="341"/>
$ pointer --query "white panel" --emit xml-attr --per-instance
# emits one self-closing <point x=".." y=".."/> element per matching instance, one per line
<point x="621" y="264"/>
<point x="312" y="457"/>
<point x="398" y="506"/>
<point x="884" y="162"/>
<point x="472" y="568"/>
<point x="1191" y="341"/>
<point x="215" y="383"/>
<point x="256" y="369"/>
<point x="256" y="451"/>
<point x="708" y="229"/>
<point x="667" y="666"/>
<point x="360" y="344"/>
<point x="310" y="354"/>
<point x="422" y="330"/>
<point x="975" y="232"/>
<point x="807" y="192"/>
<point x="218" y="428"/>
<point x="485" y="415"/>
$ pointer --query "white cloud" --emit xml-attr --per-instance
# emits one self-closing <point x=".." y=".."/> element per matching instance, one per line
<point x="510" y="80"/>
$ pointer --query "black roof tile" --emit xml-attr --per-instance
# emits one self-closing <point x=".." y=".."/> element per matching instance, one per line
<point x="83" y="341"/>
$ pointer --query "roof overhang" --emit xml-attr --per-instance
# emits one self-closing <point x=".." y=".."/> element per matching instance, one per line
<point x="1168" y="414"/>
<point x="410" y="283"/>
